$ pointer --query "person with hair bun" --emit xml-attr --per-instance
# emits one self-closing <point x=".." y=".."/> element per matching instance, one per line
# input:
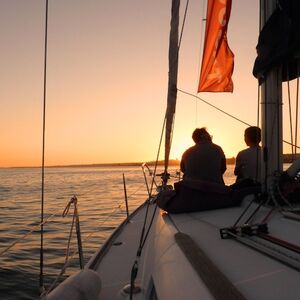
<point x="205" y="160"/>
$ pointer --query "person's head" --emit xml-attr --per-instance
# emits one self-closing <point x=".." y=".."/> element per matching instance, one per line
<point x="201" y="135"/>
<point x="252" y="136"/>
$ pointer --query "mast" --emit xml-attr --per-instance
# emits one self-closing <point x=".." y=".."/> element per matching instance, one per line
<point x="271" y="111"/>
<point x="172" y="84"/>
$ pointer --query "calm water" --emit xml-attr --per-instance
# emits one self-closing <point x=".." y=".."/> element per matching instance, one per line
<point x="101" y="208"/>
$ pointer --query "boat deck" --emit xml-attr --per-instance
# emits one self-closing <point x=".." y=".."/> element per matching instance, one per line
<point x="167" y="272"/>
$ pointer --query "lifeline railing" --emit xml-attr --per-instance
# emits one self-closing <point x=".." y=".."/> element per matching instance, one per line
<point x="69" y="253"/>
<point x="75" y="222"/>
<point x="70" y="257"/>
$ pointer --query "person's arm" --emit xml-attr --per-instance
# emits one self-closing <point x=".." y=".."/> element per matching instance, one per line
<point x="182" y="166"/>
<point x="223" y="163"/>
<point x="238" y="166"/>
<point x="223" y="160"/>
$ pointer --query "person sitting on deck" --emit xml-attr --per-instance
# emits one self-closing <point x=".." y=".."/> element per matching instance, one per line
<point x="202" y="187"/>
<point x="203" y="161"/>
<point x="247" y="166"/>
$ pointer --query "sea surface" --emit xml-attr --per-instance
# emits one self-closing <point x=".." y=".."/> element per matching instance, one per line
<point x="101" y="207"/>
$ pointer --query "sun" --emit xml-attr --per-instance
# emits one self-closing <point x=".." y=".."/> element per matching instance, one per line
<point x="179" y="146"/>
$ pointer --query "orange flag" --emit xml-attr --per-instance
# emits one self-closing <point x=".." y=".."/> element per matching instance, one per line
<point x="217" y="60"/>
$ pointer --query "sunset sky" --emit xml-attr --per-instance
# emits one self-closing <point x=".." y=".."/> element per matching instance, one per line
<point x="107" y="80"/>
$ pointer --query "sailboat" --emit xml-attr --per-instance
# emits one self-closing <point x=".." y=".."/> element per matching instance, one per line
<point x="246" y="251"/>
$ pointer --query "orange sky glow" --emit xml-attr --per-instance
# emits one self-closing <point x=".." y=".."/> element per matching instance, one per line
<point x="107" y="78"/>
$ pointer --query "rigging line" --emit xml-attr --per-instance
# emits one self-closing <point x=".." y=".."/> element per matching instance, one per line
<point x="279" y="129"/>
<point x="271" y="139"/>
<point x="298" y="147"/>
<point x="75" y="252"/>
<point x="181" y="33"/>
<point x="265" y="133"/>
<point x="217" y="108"/>
<point x="257" y="124"/>
<point x="136" y="190"/>
<point x="183" y="23"/>
<point x="143" y="237"/>
<point x="150" y="225"/>
<point x="243" y="212"/>
<point x="62" y="271"/>
<point x="134" y="269"/>
<point x="43" y="148"/>
<point x="88" y="237"/>
<point x="258" y="104"/>
<point x="143" y="228"/>
<point x="297" y="108"/>
<point x="158" y="151"/>
<point x="25" y="235"/>
<point x="290" y="115"/>
<point x="201" y="47"/>
<point x="224" y="112"/>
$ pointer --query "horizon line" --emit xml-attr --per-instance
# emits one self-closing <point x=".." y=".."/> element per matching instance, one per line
<point x="172" y="162"/>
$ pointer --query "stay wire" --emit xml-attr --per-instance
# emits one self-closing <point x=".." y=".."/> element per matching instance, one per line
<point x="183" y="23"/>
<point x="257" y="124"/>
<point x="43" y="149"/>
<point x="215" y="107"/>
<point x="224" y="112"/>
<point x="158" y="152"/>
<point x="297" y="108"/>
<point x="290" y="115"/>
<point x="152" y="183"/>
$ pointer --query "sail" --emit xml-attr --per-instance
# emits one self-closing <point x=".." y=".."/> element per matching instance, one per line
<point x="279" y="42"/>
<point x="217" y="60"/>
<point x="172" y="85"/>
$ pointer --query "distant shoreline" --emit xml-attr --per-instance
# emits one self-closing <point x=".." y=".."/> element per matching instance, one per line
<point x="287" y="158"/>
